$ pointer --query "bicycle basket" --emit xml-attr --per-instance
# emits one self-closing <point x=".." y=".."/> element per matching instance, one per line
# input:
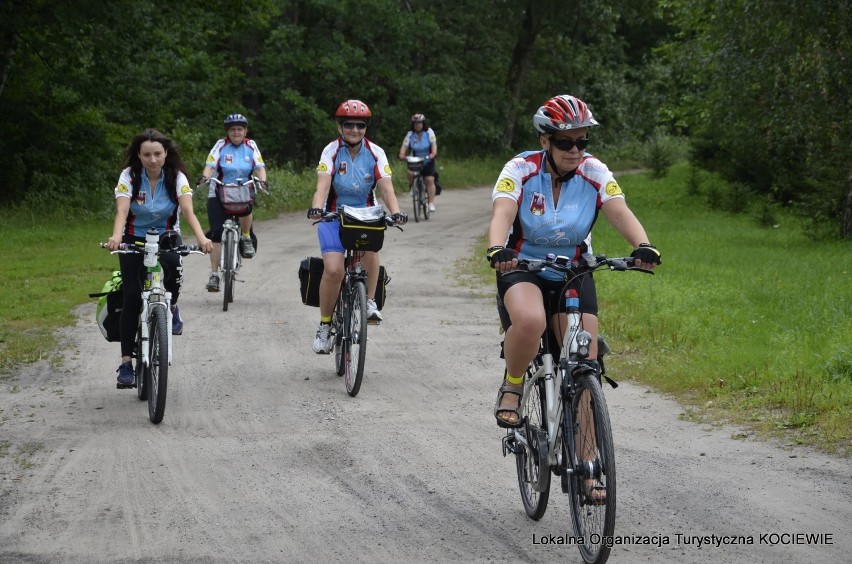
<point x="415" y="164"/>
<point x="362" y="229"/>
<point x="236" y="199"/>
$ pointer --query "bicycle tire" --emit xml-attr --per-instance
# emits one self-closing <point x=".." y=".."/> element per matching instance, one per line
<point x="357" y="338"/>
<point x="340" y="348"/>
<point x="228" y="244"/>
<point x="158" y="371"/>
<point x="415" y="200"/>
<point x="424" y="198"/>
<point x="141" y="388"/>
<point x="592" y="521"/>
<point x="532" y="465"/>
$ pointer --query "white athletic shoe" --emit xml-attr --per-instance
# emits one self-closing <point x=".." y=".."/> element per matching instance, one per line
<point x="323" y="342"/>
<point x="373" y="312"/>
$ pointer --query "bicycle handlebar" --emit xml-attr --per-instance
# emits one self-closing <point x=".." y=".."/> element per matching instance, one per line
<point x="139" y="249"/>
<point x="254" y="180"/>
<point x="332" y="216"/>
<point x="587" y="263"/>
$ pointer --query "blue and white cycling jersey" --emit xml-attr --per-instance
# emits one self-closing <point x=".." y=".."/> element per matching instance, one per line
<point x="147" y="210"/>
<point x="233" y="162"/>
<point x="542" y="227"/>
<point x="353" y="180"/>
<point x="419" y="143"/>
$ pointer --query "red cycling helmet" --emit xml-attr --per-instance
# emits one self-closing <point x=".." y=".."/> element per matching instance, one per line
<point x="353" y="109"/>
<point x="562" y="113"/>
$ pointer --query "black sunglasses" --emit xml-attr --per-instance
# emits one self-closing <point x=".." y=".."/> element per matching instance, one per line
<point x="568" y="144"/>
<point x="354" y="125"/>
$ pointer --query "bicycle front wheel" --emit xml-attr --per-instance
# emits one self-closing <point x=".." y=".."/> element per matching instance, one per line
<point x="415" y="200"/>
<point x="592" y="486"/>
<point x="531" y="460"/>
<point x="229" y="245"/>
<point x="158" y="372"/>
<point x="357" y="338"/>
<point x="341" y="344"/>
<point x="424" y="197"/>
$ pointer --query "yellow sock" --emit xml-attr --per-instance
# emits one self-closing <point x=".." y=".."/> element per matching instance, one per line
<point x="325" y="320"/>
<point x="515" y="381"/>
<point x="245" y="234"/>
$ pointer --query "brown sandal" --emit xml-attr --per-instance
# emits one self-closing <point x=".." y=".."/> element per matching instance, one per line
<point x="594" y="492"/>
<point x="507" y="388"/>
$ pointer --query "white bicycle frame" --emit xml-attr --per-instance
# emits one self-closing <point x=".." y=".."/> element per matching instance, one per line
<point x="231" y="225"/>
<point x="155" y="296"/>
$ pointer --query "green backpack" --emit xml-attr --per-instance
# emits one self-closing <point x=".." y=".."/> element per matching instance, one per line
<point x="108" y="312"/>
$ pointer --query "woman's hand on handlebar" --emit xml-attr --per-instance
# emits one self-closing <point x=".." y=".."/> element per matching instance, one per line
<point x="205" y="245"/>
<point x="400" y="218"/>
<point x="501" y="258"/>
<point x="113" y="243"/>
<point x="315" y="213"/>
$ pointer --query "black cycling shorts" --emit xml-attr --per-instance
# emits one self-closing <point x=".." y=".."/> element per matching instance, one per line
<point x="552" y="290"/>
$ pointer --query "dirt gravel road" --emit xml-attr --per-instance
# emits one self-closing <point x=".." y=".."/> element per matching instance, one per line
<point x="262" y="457"/>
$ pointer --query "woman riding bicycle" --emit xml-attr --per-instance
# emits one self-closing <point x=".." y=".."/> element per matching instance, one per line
<point x="235" y="157"/>
<point x="350" y="169"/>
<point x="422" y="142"/>
<point x="149" y="194"/>
<point x="547" y="201"/>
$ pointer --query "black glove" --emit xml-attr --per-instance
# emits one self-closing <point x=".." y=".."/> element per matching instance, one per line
<point x="314" y="213"/>
<point x="263" y="185"/>
<point x="499" y="253"/>
<point x="202" y="180"/>
<point x="400" y="217"/>
<point x="647" y="253"/>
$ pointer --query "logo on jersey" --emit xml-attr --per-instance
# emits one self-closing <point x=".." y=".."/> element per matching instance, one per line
<point x="388" y="170"/>
<point x="506" y="185"/>
<point x="186" y="189"/>
<point x="229" y="159"/>
<point x="123" y="189"/>
<point x="341" y="170"/>
<point x="140" y="198"/>
<point x="210" y="159"/>
<point x="537" y="205"/>
<point x="612" y="188"/>
<point x="322" y="167"/>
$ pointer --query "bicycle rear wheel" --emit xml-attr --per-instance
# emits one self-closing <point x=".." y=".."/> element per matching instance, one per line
<point x="141" y="388"/>
<point x="592" y="487"/>
<point x="229" y="244"/>
<point x="424" y="197"/>
<point x="158" y="372"/>
<point x="356" y="338"/>
<point x="415" y="199"/>
<point x="531" y="461"/>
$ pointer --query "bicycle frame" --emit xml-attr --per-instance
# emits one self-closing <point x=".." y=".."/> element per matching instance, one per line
<point x="234" y="227"/>
<point x="553" y="385"/>
<point x="153" y="295"/>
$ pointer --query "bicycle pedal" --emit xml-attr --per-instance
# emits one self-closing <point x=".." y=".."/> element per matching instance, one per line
<point x="374" y="322"/>
<point x="509" y="444"/>
<point x="564" y="480"/>
<point x="125" y="386"/>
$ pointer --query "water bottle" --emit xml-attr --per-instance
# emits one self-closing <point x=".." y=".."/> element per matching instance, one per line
<point x="152" y="245"/>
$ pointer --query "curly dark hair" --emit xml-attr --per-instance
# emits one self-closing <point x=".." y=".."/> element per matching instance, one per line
<point x="171" y="168"/>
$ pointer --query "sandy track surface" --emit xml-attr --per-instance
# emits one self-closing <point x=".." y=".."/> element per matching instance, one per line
<point x="262" y="456"/>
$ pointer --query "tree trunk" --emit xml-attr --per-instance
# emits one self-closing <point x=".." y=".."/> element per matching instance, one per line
<point x="530" y="29"/>
<point x="11" y="48"/>
<point x="846" y="227"/>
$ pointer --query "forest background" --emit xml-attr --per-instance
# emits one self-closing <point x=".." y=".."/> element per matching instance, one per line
<point x="757" y="91"/>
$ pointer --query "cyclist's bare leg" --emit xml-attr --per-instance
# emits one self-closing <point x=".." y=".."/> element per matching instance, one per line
<point x="332" y="277"/>
<point x="525" y="306"/>
<point x="587" y="439"/>
<point x="245" y="224"/>
<point x="370" y="261"/>
<point x="430" y="188"/>
<point x="410" y="178"/>
<point x="215" y="256"/>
